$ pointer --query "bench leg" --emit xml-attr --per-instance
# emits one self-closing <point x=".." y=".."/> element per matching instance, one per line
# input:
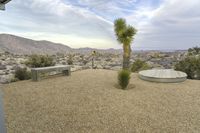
<point x="35" y="75"/>
<point x="38" y="76"/>
<point x="67" y="72"/>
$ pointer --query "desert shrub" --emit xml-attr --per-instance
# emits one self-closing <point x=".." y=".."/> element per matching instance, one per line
<point x="7" y="52"/>
<point x="14" y="79"/>
<point x="22" y="74"/>
<point x="123" y="78"/>
<point x="139" y="65"/>
<point x="194" y="51"/>
<point x="70" y="60"/>
<point x="85" y="62"/>
<point x="40" y="61"/>
<point x="191" y="66"/>
<point x="62" y="55"/>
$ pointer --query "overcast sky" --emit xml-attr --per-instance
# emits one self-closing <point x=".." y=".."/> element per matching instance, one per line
<point x="161" y="24"/>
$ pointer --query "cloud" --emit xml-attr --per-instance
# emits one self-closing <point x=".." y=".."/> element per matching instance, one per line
<point x="161" y="24"/>
<point x="173" y="25"/>
<point x="110" y="10"/>
<point x="59" y="20"/>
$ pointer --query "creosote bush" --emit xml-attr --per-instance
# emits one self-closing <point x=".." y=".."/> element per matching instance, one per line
<point x="22" y="74"/>
<point x="123" y="78"/>
<point x="40" y="61"/>
<point x="194" y="51"/>
<point x="70" y="59"/>
<point x="139" y="65"/>
<point x="191" y="66"/>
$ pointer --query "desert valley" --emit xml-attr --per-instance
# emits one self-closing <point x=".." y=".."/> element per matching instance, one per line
<point x="15" y="51"/>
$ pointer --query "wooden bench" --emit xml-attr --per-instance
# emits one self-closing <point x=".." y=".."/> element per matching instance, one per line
<point x="65" y="69"/>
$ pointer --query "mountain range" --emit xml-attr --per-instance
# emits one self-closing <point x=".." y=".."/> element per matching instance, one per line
<point x="20" y="45"/>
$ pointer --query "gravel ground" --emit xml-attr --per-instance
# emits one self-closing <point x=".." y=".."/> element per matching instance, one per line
<point x="88" y="101"/>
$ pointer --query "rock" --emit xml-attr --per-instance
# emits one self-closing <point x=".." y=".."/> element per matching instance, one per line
<point x="107" y="67"/>
<point x="11" y="62"/>
<point x="117" y="68"/>
<point x="85" y="67"/>
<point x="21" y="60"/>
<point x="99" y="67"/>
<point x="9" y="67"/>
<point x="115" y="65"/>
<point x="6" y="78"/>
<point x="6" y="72"/>
<point x="3" y="58"/>
<point x="2" y="72"/>
<point x="18" y="66"/>
<point x="76" y="68"/>
<point x="12" y="71"/>
<point x="2" y="62"/>
<point x="64" y="63"/>
<point x="2" y="67"/>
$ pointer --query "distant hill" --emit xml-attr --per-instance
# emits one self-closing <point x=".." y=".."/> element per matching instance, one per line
<point x="88" y="50"/>
<point x="20" y="45"/>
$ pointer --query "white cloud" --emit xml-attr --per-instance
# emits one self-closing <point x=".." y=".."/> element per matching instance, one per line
<point x="109" y="9"/>
<point x="66" y="23"/>
<point x="161" y="24"/>
<point x="173" y="25"/>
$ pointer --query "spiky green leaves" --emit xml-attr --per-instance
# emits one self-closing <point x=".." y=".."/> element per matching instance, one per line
<point x="123" y="78"/>
<point x="124" y="33"/>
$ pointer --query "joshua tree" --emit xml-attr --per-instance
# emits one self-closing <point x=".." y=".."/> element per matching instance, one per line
<point x="93" y="55"/>
<point x="125" y="35"/>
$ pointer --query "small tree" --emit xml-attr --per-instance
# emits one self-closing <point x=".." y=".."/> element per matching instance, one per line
<point x="191" y="66"/>
<point x="125" y="35"/>
<point x="93" y="55"/>
<point x="70" y="60"/>
<point x="22" y="74"/>
<point x="194" y="51"/>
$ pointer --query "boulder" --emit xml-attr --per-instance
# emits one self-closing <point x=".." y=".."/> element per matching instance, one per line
<point x="2" y="67"/>
<point x="117" y="68"/>
<point x="99" y="67"/>
<point x="6" y="78"/>
<point x="107" y="67"/>
<point x="2" y="72"/>
<point x="76" y="68"/>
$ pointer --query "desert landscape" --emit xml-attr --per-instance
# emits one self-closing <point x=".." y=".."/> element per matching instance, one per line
<point x="14" y="57"/>
<point x="97" y="66"/>
<point x="99" y="94"/>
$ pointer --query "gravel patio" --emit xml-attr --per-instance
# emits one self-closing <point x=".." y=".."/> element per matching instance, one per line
<point x="90" y="101"/>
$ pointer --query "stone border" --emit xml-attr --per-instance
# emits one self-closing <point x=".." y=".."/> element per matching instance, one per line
<point x="162" y="80"/>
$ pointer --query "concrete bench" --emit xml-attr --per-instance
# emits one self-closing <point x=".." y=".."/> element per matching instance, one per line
<point x="66" y="70"/>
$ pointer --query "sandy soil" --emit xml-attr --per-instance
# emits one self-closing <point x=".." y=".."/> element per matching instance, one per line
<point x="88" y="101"/>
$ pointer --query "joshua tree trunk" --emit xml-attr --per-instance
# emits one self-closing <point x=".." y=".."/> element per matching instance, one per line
<point x="93" y="62"/>
<point x="126" y="56"/>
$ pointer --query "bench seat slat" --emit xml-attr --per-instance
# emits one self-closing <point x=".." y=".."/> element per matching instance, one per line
<point x="51" y="67"/>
